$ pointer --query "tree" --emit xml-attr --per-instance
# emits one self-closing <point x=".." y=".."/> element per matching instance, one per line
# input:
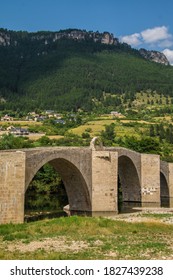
<point x="85" y="135"/>
<point x="46" y="191"/>
<point x="144" y="145"/>
<point x="162" y="132"/>
<point x="9" y="141"/>
<point x="108" y="135"/>
<point x="45" y="141"/>
<point x="152" y="130"/>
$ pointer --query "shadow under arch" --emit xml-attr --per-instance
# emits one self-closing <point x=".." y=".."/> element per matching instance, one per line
<point x="129" y="180"/>
<point x="74" y="182"/>
<point x="164" y="191"/>
<point x="46" y="196"/>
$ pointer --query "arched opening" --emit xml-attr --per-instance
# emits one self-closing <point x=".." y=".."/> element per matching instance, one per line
<point x="120" y="196"/>
<point x="73" y="191"/>
<point x="129" y="190"/>
<point x="164" y="191"/>
<point x="46" y="195"/>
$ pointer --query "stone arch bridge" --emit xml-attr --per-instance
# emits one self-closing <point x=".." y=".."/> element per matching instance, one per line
<point x="90" y="176"/>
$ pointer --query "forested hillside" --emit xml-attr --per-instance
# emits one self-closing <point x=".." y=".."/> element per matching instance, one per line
<point x="73" y="74"/>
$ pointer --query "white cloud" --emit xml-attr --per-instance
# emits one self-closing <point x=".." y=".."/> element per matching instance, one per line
<point x="155" y="34"/>
<point x="157" y="37"/>
<point x="166" y="44"/>
<point x="133" y="39"/>
<point x="169" y="54"/>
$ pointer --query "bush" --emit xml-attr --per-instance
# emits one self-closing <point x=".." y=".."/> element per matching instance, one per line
<point x="85" y="135"/>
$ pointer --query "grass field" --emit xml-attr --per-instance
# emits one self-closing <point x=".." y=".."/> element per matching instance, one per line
<point x="87" y="238"/>
<point x="130" y="129"/>
<point x="20" y="123"/>
<point x="95" y="126"/>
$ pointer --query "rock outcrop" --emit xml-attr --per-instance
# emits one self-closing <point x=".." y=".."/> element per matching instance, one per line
<point x="154" y="56"/>
<point x="12" y="38"/>
<point x="4" y="39"/>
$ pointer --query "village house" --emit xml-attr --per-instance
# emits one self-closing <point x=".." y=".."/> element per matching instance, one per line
<point x="7" y="118"/>
<point x="17" y="130"/>
<point x="115" y="114"/>
<point x="59" y="121"/>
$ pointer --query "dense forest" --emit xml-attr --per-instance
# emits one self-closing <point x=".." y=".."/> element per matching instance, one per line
<point x="68" y="74"/>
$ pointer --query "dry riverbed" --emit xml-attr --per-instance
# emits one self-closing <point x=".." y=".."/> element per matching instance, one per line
<point x="162" y="215"/>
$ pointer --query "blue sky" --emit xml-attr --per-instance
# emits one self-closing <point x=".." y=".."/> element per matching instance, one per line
<point x="146" y="23"/>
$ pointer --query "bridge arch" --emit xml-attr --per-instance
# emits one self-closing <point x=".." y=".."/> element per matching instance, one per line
<point x="74" y="179"/>
<point x="129" y="179"/>
<point x="164" y="184"/>
<point x="164" y="190"/>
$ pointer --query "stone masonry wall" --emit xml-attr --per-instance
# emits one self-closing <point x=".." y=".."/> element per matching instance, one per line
<point x="104" y="182"/>
<point x="12" y="181"/>
<point x="150" y="179"/>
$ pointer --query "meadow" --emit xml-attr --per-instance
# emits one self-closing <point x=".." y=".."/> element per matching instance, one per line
<point x="81" y="238"/>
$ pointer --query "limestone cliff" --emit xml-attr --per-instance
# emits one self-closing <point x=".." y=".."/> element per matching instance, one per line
<point x="154" y="56"/>
<point x="4" y="39"/>
<point x="12" y="38"/>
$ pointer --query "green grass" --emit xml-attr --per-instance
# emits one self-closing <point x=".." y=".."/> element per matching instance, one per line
<point x="122" y="128"/>
<point x="86" y="238"/>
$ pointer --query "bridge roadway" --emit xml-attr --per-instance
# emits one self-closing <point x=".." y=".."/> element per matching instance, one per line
<point x="90" y="176"/>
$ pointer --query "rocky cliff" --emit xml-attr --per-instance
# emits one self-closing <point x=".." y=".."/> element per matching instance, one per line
<point x="12" y="38"/>
<point x="4" y="39"/>
<point x="154" y="56"/>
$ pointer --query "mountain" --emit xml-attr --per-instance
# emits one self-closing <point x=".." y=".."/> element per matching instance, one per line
<point x="72" y="69"/>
